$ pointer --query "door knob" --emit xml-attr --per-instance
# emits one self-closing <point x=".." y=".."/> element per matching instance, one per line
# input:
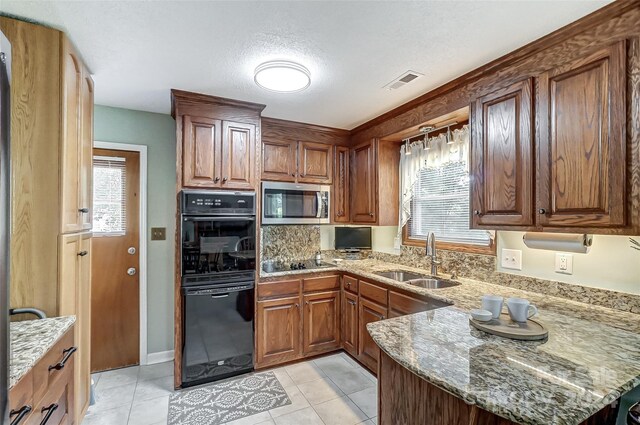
<point x="131" y="271"/>
<point x="131" y="250"/>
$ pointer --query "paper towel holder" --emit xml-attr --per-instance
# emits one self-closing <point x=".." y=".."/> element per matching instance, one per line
<point x="579" y="243"/>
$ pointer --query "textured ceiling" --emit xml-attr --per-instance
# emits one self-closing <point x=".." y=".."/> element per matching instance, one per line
<point x="139" y="50"/>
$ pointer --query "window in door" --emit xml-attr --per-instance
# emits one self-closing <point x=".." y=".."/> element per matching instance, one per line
<point x="109" y="196"/>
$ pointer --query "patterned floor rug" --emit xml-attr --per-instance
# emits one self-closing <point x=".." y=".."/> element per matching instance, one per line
<point x="226" y="401"/>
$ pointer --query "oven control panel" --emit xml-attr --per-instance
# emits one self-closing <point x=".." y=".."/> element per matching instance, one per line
<point x="218" y="203"/>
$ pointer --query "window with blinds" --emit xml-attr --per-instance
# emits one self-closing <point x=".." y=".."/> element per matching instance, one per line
<point x="440" y="205"/>
<point x="109" y="196"/>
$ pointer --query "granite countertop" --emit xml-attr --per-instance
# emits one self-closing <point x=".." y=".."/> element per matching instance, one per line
<point x="30" y="340"/>
<point x="592" y="355"/>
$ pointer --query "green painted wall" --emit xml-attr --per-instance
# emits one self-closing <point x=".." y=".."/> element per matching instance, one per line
<point x="157" y="132"/>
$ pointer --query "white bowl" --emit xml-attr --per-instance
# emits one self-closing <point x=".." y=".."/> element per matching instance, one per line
<point x="481" y="315"/>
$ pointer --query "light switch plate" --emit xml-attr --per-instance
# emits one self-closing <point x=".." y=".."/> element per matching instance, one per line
<point x="511" y="259"/>
<point x="158" y="233"/>
<point x="564" y="263"/>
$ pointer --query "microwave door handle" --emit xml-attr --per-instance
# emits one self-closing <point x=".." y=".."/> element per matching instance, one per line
<point x="320" y="205"/>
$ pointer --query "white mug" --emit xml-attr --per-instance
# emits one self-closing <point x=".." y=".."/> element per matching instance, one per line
<point x="520" y="309"/>
<point x="493" y="303"/>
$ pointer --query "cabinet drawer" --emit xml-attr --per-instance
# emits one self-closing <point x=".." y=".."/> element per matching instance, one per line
<point x="324" y="283"/>
<point x="58" y="402"/>
<point x="279" y="289"/>
<point x="350" y="284"/>
<point x="373" y="292"/>
<point x="21" y="396"/>
<point x="43" y="377"/>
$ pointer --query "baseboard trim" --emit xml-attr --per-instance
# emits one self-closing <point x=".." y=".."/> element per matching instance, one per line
<point x="160" y="357"/>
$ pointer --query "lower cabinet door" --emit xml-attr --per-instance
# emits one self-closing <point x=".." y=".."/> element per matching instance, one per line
<point x="350" y="323"/>
<point x="321" y="322"/>
<point x="278" y="331"/>
<point x="368" y="350"/>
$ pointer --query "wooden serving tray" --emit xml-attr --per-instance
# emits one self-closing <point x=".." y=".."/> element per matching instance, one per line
<point x="531" y="330"/>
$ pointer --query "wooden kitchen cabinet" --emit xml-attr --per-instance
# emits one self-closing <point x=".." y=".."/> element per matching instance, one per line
<point x="279" y="160"/>
<point x="76" y="172"/>
<point x="75" y="299"/>
<point x="368" y="350"/>
<point x="44" y="389"/>
<point x="315" y="163"/>
<point x="350" y="323"/>
<point x="582" y="153"/>
<point x="321" y="322"/>
<point x="238" y="155"/>
<point x="502" y="158"/>
<point x="201" y="151"/>
<point x="341" y="210"/>
<point x="374" y="179"/>
<point x="278" y="330"/>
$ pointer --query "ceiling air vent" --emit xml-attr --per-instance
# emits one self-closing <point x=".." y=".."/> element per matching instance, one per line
<point x="402" y="80"/>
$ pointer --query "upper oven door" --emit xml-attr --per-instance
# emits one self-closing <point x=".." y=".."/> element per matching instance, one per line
<point x="216" y="245"/>
<point x="290" y="203"/>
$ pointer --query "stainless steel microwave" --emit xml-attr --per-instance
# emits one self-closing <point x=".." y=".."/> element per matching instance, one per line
<point x="292" y="203"/>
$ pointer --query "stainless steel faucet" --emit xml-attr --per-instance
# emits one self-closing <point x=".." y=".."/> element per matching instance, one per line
<point x="430" y="251"/>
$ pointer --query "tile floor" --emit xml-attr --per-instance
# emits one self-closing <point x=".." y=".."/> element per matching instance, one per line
<point x="331" y="390"/>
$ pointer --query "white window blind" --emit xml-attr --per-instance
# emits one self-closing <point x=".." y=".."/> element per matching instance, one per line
<point x="109" y="196"/>
<point x="440" y="204"/>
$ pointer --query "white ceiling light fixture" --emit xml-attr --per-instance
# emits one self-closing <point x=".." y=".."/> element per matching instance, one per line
<point x="282" y="76"/>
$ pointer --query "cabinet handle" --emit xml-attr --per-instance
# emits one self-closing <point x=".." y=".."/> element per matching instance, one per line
<point x="22" y="413"/>
<point x="371" y="214"/>
<point x="82" y="253"/>
<point x="50" y="410"/>
<point x="382" y="317"/>
<point x="224" y="179"/>
<point x="293" y="174"/>
<point x="306" y="302"/>
<point x="302" y="175"/>
<point x="477" y="212"/>
<point x="67" y="354"/>
<point x="348" y="284"/>
<point x="83" y="210"/>
<point x="217" y="179"/>
<point x="351" y="302"/>
<point x="297" y="305"/>
<point x="542" y="211"/>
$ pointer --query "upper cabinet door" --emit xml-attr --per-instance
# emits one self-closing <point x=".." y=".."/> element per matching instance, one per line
<point x="201" y="151"/>
<point x="502" y="158"/>
<point x="364" y="187"/>
<point x="341" y="186"/>
<point x="71" y="214"/>
<point x="86" y="152"/>
<point x="238" y="155"/>
<point x="279" y="160"/>
<point x="582" y="142"/>
<point x="315" y="163"/>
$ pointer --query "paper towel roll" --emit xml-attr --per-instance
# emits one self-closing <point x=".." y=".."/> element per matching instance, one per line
<point x="558" y="241"/>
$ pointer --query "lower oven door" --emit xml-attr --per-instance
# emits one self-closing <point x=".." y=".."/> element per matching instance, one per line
<point x="218" y="332"/>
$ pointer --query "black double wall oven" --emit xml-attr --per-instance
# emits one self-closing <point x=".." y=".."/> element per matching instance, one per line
<point x="218" y="263"/>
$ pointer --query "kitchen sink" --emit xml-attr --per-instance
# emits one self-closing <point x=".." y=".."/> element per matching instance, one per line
<point x="430" y="283"/>
<point x="401" y="276"/>
<point x="416" y="279"/>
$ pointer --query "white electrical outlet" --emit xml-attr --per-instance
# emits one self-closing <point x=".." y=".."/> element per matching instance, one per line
<point x="564" y="263"/>
<point x="511" y="259"/>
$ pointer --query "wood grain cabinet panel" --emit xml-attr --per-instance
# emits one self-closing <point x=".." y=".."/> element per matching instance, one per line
<point x="341" y="210"/>
<point x="368" y="350"/>
<point x="201" y="151"/>
<point x="315" y="164"/>
<point x="279" y="160"/>
<point x="582" y="142"/>
<point x="321" y="322"/>
<point x="364" y="183"/>
<point x="86" y="151"/>
<point x="502" y="158"/>
<point x="350" y="323"/>
<point x="238" y="155"/>
<point x="278" y="330"/>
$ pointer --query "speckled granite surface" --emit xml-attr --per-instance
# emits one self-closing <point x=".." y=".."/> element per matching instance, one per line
<point x="583" y="366"/>
<point x="289" y="243"/>
<point x="30" y="340"/>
